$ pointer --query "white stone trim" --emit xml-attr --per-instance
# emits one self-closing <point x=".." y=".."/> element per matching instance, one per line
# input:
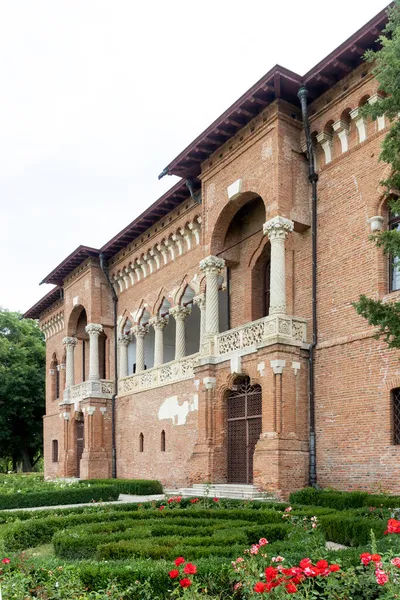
<point x="234" y="189"/>
<point x="376" y="223"/>
<point x="360" y="124"/>
<point x="325" y="139"/>
<point x="277" y="366"/>
<point x="342" y="129"/>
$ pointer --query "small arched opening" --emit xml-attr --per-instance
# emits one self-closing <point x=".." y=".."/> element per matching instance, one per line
<point x="163" y="441"/>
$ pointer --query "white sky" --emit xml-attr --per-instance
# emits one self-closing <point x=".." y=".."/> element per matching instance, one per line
<point x="97" y="97"/>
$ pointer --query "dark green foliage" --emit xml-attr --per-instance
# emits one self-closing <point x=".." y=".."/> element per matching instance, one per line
<point x="72" y="495"/>
<point x="342" y="500"/>
<point x="387" y="71"/>
<point x="350" y="530"/>
<point x="138" y="487"/>
<point x="22" y="373"/>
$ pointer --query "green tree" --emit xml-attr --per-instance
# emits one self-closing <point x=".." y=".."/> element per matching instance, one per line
<point x="22" y="389"/>
<point x="386" y="316"/>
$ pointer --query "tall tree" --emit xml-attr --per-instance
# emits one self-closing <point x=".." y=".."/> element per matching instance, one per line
<point x="22" y="389"/>
<point x="386" y="316"/>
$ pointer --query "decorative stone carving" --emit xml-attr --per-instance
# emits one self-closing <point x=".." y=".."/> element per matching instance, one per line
<point x="158" y="323"/>
<point x="342" y="129"/>
<point x="278" y="366"/>
<point x="325" y="139"/>
<point x="123" y="342"/>
<point x="69" y="343"/>
<point x="177" y="370"/>
<point x="360" y="124"/>
<point x="212" y="267"/>
<point x="277" y="230"/>
<point x="140" y="332"/>
<point x="376" y="223"/>
<point x="180" y="313"/>
<point x="200" y="301"/>
<point x="94" y="330"/>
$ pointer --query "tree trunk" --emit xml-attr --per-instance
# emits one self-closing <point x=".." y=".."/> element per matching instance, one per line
<point x="26" y="461"/>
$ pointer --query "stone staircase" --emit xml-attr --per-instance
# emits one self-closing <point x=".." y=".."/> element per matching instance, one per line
<point x="222" y="490"/>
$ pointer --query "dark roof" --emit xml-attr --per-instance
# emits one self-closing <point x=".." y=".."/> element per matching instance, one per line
<point x="277" y="83"/>
<point x="70" y="263"/>
<point x="176" y="195"/>
<point x="36" y="310"/>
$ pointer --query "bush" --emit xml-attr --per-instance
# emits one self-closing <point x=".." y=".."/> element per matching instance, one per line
<point x="343" y="500"/>
<point x="137" y="487"/>
<point x="54" y="497"/>
<point x="350" y="530"/>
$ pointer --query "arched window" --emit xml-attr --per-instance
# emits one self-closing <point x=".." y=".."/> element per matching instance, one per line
<point x="141" y="442"/>
<point x="396" y="415"/>
<point x="163" y="441"/>
<point x="394" y="264"/>
<point x="54" y="450"/>
<point x="57" y="374"/>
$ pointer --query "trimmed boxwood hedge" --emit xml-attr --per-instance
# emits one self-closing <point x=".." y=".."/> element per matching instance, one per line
<point x="136" y="487"/>
<point x="350" y="530"/>
<point x="70" y="495"/>
<point x="343" y="500"/>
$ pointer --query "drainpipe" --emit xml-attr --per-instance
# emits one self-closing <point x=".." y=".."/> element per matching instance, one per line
<point x="313" y="179"/>
<point x="104" y="268"/>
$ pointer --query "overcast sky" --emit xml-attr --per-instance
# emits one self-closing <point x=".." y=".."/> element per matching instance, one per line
<point x="97" y="97"/>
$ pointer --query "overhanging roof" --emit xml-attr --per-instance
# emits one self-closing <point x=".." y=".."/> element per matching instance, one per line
<point x="36" y="310"/>
<point x="70" y="263"/>
<point x="178" y="194"/>
<point x="277" y="83"/>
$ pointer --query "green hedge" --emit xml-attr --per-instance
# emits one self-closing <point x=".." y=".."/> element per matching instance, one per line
<point x="136" y="487"/>
<point x="342" y="500"/>
<point x="350" y="530"/>
<point x="72" y="495"/>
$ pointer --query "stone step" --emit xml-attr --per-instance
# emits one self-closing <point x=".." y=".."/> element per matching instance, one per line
<point x="247" y="492"/>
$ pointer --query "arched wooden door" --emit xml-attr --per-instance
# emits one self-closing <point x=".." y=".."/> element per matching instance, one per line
<point x="80" y="444"/>
<point x="244" y="429"/>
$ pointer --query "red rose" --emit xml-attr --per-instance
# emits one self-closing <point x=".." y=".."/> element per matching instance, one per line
<point x="190" y="569"/>
<point x="259" y="587"/>
<point x="333" y="568"/>
<point x="271" y="573"/>
<point x="161" y="507"/>
<point x="179" y="561"/>
<point x="185" y="582"/>
<point x="194" y="500"/>
<point x="393" y="526"/>
<point x="376" y="558"/>
<point x="6" y="561"/>
<point x="291" y="588"/>
<point x="305" y="562"/>
<point x="322" y="564"/>
<point x="365" y="558"/>
<point x="174" y="573"/>
<point x="215" y="499"/>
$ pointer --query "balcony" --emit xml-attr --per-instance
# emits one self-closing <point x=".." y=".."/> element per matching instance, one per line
<point x="274" y="329"/>
<point x="245" y="339"/>
<point x="176" y="370"/>
<point x="89" y="389"/>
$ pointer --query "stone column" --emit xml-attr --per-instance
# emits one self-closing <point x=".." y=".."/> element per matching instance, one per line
<point x="123" y="343"/>
<point x="140" y="332"/>
<point x="212" y="267"/>
<point x="158" y="323"/>
<point x="180" y="313"/>
<point x="200" y="301"/>
<point x="277" y="229"/>
<point x="69" y="343"/>
<point x="94" y="330"/>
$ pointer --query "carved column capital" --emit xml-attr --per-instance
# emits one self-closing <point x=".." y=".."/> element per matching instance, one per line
<point x="212" y="265"/>
<point x="124" y="339"/>
<point x="94" y="329"/>
<point x="200" y="301"/>
<point x="180" y="312"/>
<point x="140" y="331"/>
<point x="70" y="341"/>
<point x="158" y="322"/>
<point x="278" y="228"/>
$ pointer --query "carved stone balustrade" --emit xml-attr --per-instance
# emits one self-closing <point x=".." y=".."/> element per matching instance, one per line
<point x="88" y="389"/>
<point x="176" y="370"/>
<point x="274" y="329"/>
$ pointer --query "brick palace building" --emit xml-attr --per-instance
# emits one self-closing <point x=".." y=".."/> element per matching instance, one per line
<point x="238" y="360"/>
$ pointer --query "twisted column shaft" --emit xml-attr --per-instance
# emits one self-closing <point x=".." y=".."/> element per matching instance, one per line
<point x="94" y="330"/>
<point x="123" y="343"/>
<point x="200" y="301"/>
<point x="180" y="313"/>
<point x="140" y="332"/>
<point x="212" y="267"/>
<point x="158" y="324"/>
<point x="277" y="230"/>
<point x="69" y="343"/>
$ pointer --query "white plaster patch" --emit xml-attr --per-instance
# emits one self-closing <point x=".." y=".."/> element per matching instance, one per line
<point x="75" y="301"/>
<point x="261" y="368"/>
<point x="171" y="409"/>
<point x="234" y="189"/>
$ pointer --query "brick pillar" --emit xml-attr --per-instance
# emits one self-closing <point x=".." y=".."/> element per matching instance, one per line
<point x="96" y="457"/>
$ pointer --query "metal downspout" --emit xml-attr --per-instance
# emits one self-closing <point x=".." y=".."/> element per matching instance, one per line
<point x="104" y="268"/>
<point x="313" y="179"/>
